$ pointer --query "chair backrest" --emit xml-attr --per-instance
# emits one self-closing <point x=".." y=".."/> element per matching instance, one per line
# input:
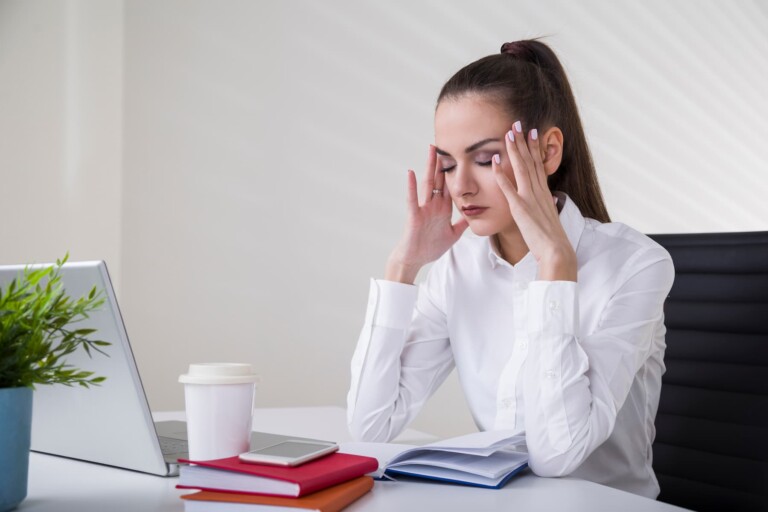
<point x="711" y="448"/>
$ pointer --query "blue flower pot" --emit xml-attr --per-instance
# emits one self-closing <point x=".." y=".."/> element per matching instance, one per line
<point x="15" y="428"/>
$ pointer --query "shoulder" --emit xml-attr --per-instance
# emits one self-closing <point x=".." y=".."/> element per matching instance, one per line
<point x="617" y="235"/>
<point x="626" y="249"/>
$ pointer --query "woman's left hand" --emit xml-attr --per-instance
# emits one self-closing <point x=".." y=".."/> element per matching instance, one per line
<point x="533" y="206"/>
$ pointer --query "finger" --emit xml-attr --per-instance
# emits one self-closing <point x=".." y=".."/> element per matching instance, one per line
<point x="412" y="197"/>
<point x="506" y="185"/>
<point x="519" y="167"/>
<point x="525" y="154"/>
<point x="429" y="173"/>
<point x="535" y="151"/>
<point x="439" y="183"/>
<point x="548" y="201"/>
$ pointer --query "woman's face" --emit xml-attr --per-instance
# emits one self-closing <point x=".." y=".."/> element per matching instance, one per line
<point x="468" y="132"/>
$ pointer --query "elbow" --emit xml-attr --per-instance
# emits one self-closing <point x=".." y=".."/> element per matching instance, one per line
<point x="560" y="452"/>
<point x="552" y="467"/>
<point x="367" y="431"/>
<point x="548" y="461"/>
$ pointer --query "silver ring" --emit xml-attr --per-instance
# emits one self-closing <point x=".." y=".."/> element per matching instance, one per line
<point x="436" y="191"/>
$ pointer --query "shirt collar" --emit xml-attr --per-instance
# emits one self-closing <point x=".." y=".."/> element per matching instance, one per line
<point x="573" y="223"/>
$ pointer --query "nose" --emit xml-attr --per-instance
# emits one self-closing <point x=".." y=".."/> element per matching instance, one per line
<point x="462" y="182"/>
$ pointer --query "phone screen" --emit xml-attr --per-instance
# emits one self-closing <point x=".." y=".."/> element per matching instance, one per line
<point x="291" y="449"/>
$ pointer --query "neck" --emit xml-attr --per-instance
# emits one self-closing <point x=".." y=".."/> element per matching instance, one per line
<point x="511" y="245"/>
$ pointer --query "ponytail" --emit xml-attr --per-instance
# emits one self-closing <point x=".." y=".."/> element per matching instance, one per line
<point x="528" y="81"/>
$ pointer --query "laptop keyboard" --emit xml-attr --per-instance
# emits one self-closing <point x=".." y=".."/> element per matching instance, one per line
<point x="170" y="445"/>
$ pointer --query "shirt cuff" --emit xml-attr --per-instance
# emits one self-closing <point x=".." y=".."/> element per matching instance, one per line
<point x="552" y="307"/>
<point x="393" y="302"/>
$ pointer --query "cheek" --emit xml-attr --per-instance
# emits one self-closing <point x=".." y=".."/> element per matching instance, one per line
<point x="492" y="190"/>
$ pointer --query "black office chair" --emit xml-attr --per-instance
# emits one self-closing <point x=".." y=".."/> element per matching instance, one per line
<point x="711" y="449"/>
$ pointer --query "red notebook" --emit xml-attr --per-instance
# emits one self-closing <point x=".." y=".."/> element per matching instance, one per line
<point x="231" y="475"/>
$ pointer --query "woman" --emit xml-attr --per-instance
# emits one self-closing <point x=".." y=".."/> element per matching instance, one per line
<point x="552" y="315"/>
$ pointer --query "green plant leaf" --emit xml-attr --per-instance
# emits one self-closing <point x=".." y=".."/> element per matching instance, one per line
<point x="37" y="331"/>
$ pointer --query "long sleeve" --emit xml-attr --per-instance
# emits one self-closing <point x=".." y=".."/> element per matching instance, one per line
<point x="402" y="356"/>
<point x="574" y="387"/>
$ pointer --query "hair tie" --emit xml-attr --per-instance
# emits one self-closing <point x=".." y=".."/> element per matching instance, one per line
<point x="521" y="50"/>
<point x="509" y="48"/>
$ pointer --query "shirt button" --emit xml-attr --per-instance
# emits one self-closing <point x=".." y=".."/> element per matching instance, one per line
<point x="523" y="345"/>
<point x="519" y="286"/>
<point x="550" y="374"/>
<point x="507" y="403"/>
<point x="553" y="305"/>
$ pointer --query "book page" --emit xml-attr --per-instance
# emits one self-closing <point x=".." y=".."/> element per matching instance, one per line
<point x="481" y="440"/>
<point x="478" y="443"/>
<point x="493" y="466"/>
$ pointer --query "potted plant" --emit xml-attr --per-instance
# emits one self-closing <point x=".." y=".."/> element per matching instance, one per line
<point x="37" y="331"/>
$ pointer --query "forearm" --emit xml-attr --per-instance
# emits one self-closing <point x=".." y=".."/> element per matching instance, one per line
<point x="576" y="384"/>
<point x="402" y="355"/>
<point x="373" y="396"/>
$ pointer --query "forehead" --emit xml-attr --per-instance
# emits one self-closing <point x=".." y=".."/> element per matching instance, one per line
<point x="463" y="121"/>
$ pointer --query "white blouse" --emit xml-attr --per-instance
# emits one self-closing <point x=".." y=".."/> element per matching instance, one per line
<point x="575" y="366"/>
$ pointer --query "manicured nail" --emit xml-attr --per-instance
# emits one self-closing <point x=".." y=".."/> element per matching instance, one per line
<point x="555" y="199"/>
<point x="497" y="158"/>
<point x="511" y="136"/>
<point x="534" y="134"/>
<point x="518" y="126"/>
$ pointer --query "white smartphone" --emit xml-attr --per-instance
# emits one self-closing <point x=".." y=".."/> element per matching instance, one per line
<point x="291" y="452"/>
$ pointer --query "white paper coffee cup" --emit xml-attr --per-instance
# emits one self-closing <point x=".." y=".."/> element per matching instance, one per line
<point x="219" y="401"/>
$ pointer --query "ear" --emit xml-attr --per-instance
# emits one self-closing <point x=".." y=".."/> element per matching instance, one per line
<point x="551" y="146"/>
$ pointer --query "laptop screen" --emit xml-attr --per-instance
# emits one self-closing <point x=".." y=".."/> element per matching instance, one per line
<point x="108" y="424"/>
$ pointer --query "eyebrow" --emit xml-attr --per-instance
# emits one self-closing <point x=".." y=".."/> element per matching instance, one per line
<point x="469" y="149"/>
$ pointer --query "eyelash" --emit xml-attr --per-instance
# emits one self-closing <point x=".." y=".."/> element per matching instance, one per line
<point x="482" y="164"/>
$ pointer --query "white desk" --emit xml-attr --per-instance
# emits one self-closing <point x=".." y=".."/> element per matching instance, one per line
<point x="63" y="485"/>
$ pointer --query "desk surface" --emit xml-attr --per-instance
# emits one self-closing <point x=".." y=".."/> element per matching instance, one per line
<point x="63" y="485"/>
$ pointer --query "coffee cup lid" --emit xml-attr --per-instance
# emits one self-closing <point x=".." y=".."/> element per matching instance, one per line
<point x="219" y="373"/>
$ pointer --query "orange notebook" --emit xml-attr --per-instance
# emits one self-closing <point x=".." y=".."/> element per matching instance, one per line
<point x="331" y="499"/>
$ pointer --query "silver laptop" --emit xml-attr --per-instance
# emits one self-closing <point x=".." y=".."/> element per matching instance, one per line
<point x="108" y="424"/>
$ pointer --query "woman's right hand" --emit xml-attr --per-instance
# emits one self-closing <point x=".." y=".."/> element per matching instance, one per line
<point x="429" y="232"/>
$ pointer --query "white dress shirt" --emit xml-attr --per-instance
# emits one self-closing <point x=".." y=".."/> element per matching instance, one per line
<point x="575" y="366"/>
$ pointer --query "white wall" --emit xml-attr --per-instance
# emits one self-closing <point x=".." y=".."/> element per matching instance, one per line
<point x="264" y="149"/>
<point x="60" y="130"/>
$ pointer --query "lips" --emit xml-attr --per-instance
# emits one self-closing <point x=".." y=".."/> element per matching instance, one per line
<point x="471" y="210"/>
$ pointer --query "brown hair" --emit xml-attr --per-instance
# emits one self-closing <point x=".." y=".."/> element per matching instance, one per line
<point x="527" y="79"/>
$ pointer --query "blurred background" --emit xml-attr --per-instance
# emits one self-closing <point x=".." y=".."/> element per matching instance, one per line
<point x="240" y="165"/>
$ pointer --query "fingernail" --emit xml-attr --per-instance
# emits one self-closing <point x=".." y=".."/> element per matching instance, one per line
<point x="534" y="134"/>
<point x="497" y="158"/>
<point x="518" y="126"/>
<point x="555" y="199"/>
<point x="511" y="136"/>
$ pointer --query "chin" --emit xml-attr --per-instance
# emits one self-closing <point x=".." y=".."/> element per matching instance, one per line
<point x="482" y="229"/>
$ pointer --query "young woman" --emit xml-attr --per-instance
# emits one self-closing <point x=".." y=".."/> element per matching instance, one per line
<point x="552" y="315"/>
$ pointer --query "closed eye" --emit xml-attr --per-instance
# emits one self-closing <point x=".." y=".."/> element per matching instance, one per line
<point x="449" y="169"/>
